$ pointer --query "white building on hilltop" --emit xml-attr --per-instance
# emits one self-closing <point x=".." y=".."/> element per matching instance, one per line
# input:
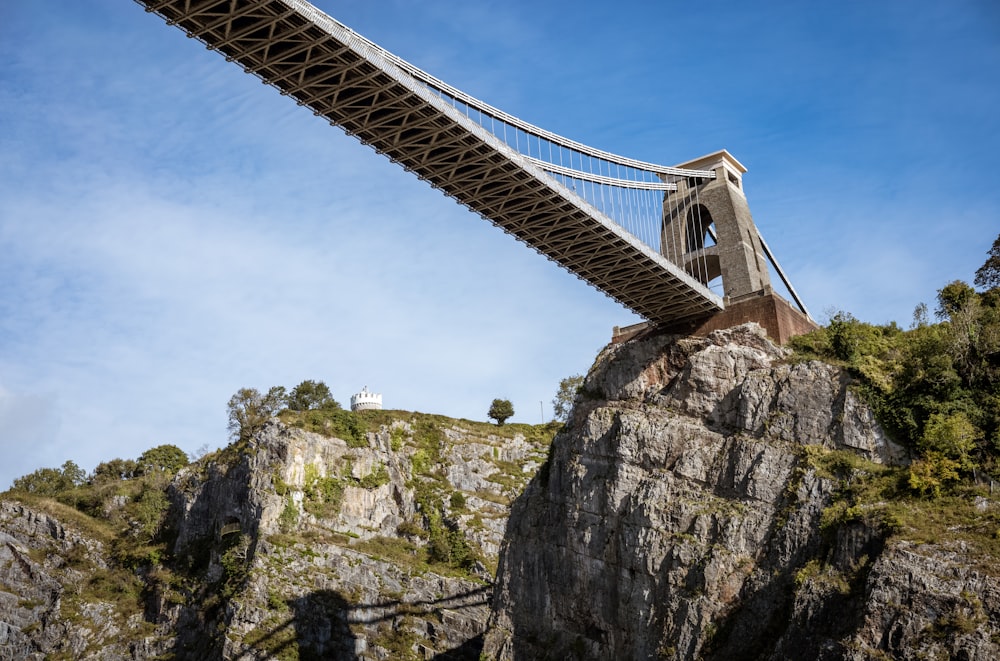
<point x="366" y="401"/>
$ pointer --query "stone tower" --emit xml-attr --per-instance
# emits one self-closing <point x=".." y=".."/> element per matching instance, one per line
<point x="366" y="401"/>
<point x="708" y="230"/>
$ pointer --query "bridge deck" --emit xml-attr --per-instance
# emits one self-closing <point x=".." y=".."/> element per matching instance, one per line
<point x="323" y="65"/>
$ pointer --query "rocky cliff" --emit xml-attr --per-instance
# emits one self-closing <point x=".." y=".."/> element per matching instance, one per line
<point x="292" y="545"/>
<point x="46" y="570"/>
<point x="710" y="499"/>
<point x="381" y="550"/>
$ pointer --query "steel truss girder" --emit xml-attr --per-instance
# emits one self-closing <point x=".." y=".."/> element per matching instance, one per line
<point x="227" y="20"/>
<point x="321" y="66"/>
<point x="283" y="62"/>
<point x="266" y="45"/>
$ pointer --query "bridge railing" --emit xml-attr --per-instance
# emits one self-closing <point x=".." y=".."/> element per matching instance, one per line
<point x="628" y="191"/>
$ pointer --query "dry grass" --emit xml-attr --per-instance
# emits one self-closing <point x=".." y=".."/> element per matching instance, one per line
<point x="72" y="518"/>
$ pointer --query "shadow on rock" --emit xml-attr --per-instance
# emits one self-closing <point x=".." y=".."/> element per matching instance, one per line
<point x="470" y="650"/>
<point x="317" y="629"/>
<point x="321" y="627"/>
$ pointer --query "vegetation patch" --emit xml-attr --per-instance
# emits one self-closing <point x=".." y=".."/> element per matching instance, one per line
<point x="863" y="489"/>
<point x="400" y="640"/>
<point x="235" y="563"/>
<point x="935" y="387"/>
<point x="395" y="550"/>
<point x="322" y="495"/>
<point x="277" y="637"/>
<point x="826" y="577"/>
<point x="378" y="477"/>
<point x="67" y="515"/>
<point x="949" y="519"/>
<point x="539" y="435"/>
<point x="335" y="423"/>
<point x="880" y="497"/>
<point x="489" y="496"/>
<point x="289" y="517"/>
<point x="397" y="437"/>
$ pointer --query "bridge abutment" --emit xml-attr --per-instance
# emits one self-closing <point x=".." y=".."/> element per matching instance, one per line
<point x="779" y="319"/>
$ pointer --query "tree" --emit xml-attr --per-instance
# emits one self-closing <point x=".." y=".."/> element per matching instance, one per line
<point x="50" y="481"/>
<point x="563" y="402"/>
<point x="932" y="472"/>
<point x="952" y="436"/>
<point x="845" y="335"/>
<point x="952" y="298"/>
<point x="311" y="395"/>
<point x="150" y="509"/>
<point x="162" y="459"/>
<point x="114" y="471"/>
<point x="73" y="473"/>
<point x="500" y="410"/>
<point x="249" y="410"/>
<point x="988" y="275"/>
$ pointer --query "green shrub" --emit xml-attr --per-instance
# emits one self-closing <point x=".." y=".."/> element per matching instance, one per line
<point x="411" y="529"/>
<point x="952" y="436"/>
<point x="375" y="479"/>
<point x="235" y="564"/>
<point x="280" y="486"/>
<point x="332" y="422"/>
<point x="396" y="438"/>
<point x="289" y="517"/>
<point x="275" y="601"/>
<point x="446" y="542"/>
<point x="420" y="462"/>
<point x="150" y="510"/>
<point x="930" y="474"/>
<point x="935" y="388"/>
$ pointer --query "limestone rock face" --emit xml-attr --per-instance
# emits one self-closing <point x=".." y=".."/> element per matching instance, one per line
<point x="291" y="545"/>
<point x="678" y="518"/>
<point x="320" y="541"/>
<point x="43" y="565"/>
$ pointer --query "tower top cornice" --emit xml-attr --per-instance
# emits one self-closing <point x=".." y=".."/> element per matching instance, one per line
<point x="713" y="161"/>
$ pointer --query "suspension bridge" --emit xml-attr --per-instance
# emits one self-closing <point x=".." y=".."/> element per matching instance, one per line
<point x="655" y="238"/>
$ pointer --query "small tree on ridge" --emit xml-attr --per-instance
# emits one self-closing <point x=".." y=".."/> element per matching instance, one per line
<point x="249" y="410"/>
<point x="500" y="410"/>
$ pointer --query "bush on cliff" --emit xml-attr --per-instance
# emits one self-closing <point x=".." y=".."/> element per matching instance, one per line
<point x="935" y="387"/>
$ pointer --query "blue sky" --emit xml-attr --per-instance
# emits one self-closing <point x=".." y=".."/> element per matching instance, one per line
<point x="171" y="230"/>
